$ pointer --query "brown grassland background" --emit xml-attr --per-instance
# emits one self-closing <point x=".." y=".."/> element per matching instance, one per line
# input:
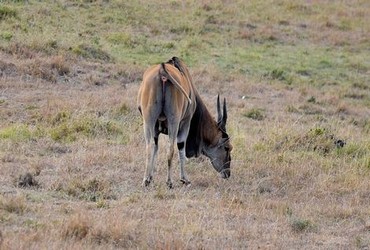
<point x="296" y="78"/>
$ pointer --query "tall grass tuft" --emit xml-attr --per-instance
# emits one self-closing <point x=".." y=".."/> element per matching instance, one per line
<point x="13" y="204"/>
<point x="7" y="12"/>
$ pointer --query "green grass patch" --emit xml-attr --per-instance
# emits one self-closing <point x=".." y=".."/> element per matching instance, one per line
<point x="20" y="132"/>
<point x="354" y="150"/>
<point x="6" y="12"/>
<point x="121" y="38"/>
<point x="233" y="37"/>
<point x="91" y="52"/>
<point x="299" y="225"/>
<point x="69" y="129"/>
<point x="317" y="139"/>
<point x="6" y="35"/>
<point x="88" y="189"/>
<point x="255" y="114"/>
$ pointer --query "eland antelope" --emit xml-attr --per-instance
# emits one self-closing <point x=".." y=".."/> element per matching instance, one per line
<point x="170" y="104"/>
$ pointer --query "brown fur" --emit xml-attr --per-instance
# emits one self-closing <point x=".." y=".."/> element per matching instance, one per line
<point x="170" y="104"/>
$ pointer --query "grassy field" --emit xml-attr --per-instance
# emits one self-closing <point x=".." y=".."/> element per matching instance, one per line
<point x="296" y="75"/>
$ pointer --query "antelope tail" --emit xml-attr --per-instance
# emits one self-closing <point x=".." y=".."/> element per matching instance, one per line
<point x="174" y="82"/>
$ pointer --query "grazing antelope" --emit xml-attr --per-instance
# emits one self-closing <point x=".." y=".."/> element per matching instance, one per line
<point x="170" y="104"/>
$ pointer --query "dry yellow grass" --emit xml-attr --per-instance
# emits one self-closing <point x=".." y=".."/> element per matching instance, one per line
<point x="291" y="187"/>
<point x="296" y="83"/>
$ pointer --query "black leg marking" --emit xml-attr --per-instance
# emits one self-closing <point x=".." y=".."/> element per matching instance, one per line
<point x="185" y="182"/>
<point x="180" y="145"/>
<point x="169" y="185"/>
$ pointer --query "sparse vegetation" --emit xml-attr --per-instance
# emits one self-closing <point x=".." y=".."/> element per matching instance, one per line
<point x="68" y="130"/>
<point x="16" y="204"/>
<point x="255" y="114"/>
<point x="77" y="227"/>
<point x="296" y="78"/>
<point x="26" y="180"/>
<point x="90" y="190"/>
<point x="7" y="12"/>
<point x="17" y="132"/>
<point x="301" y="225"/>
<point x="89" y="52"/>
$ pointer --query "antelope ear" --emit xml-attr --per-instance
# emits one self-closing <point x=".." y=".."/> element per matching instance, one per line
<point x="219" y="114"/>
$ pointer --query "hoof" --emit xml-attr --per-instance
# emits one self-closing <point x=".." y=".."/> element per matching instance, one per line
<point x="185" y="182"/>
<point x="169" y="184"/>
<point x="146" y="182"/>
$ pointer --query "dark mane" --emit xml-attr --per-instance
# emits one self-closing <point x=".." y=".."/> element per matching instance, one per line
<point x="194" y="141"/>
<point x="176" y="63"/>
